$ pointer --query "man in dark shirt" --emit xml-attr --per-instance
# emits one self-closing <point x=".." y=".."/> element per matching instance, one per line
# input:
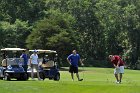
<point x="73" y="60"/>
<point x="25" y="58"/>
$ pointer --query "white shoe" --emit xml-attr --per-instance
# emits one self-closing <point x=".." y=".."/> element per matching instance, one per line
<point x="33" y="79"/>
<point x="40" y="79"/>
<point x="117" y="82"/>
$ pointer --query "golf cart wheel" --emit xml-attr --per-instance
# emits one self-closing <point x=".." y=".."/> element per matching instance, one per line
<point x="25" y="77"/>
<point x="7" y="77"/>
<point x="19" y="79"/>
<point x="57" y="77"/>
<point x="50" y="78"/>
<point x="42" y="76"/>
<point x="1" y="78"/>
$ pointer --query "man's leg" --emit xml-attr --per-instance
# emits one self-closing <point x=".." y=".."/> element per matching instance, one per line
<point x="120" y="77"/>
<point x="38" y="75"/>
<point x="25" y="68"/>
<point x="36" y="67"/>
<point x="116" y="72"/>
<point x="32" y="73"/>
<point x="121" y="73"/>
<point x="71" y="70"/>
<point x="77" y="76"/>
<point x="116" y="76"/>
<point x="72" y="76"/>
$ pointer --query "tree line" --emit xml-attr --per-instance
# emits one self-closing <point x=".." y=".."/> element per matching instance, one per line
<point x="95" y="28"/>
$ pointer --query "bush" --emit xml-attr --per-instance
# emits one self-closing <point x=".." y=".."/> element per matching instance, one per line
<point x="97" y="63"/>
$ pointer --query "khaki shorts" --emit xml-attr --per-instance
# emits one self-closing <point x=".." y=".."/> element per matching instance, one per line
<point x="119" y="70"/>
<point x="34" y="66"/>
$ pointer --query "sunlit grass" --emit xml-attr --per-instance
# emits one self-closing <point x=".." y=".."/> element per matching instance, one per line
<point x="96" y="80"/>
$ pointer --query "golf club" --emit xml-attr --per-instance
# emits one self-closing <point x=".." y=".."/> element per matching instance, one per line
<point x="83" y="73"/>
<point x="83" y="69"/>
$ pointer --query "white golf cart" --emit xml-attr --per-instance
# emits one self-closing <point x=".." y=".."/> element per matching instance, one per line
<point x="11" y="66"/>
<point x="47" y="64"/>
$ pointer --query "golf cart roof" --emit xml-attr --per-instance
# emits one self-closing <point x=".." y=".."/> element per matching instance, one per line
<point x="44" y="51"/>
<point x="12" y="49"/>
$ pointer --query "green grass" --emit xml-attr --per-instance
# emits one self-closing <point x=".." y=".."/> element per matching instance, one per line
<point x="96" y="80"/>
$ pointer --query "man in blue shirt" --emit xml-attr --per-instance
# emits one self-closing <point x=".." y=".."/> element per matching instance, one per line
<point x="25" y="58"/>
<point x="73" y="60"/>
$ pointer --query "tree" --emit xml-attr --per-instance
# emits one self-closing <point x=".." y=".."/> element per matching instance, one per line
<point x="91" y="36"/>
<point x="89" y="32"/>
<point x="120" y="21"/>
<point x="54" y="33"/>
<point x="14" y="35"/>
<point x="25" y="10"/>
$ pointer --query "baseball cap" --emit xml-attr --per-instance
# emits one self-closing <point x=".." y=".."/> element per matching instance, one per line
<point x="35" y="51"/>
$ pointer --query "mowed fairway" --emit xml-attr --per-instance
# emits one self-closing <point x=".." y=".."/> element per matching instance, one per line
<point x="96" y="80"/>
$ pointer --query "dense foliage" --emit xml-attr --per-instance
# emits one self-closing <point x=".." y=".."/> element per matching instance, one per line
<point x="96" y="28"/>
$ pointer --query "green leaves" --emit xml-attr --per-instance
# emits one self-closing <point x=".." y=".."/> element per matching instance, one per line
<point x="55" y="29"/>
<point x="27" y="10"/>
<point x="96" y="28"/>
<point x="14" y="35"/>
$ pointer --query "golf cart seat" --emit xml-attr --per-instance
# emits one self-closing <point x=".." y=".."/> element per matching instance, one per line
<point x="48" y="64"/>
<point x="4" y="62"/>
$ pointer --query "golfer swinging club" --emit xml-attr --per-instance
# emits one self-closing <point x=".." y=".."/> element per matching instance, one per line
<point x="73" y="60"/>
<point x="119" y="67"/>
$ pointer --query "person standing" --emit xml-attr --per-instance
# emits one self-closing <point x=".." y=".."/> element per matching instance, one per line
<point x="73" y="60"/>
<point x="25" y="58"/>
<point x="119" y="67"/>
<point x="34" y="64"/>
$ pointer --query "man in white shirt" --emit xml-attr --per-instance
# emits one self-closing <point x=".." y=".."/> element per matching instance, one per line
<point x="34" y="64"/>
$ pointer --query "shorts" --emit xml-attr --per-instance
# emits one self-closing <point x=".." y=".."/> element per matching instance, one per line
<point x="119" y="70"/>
<point x="34" y="66"/>
<point x="73" y="69"/>
<point x="25" y="67"/>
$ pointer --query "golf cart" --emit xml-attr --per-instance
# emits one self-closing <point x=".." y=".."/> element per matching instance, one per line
<point x="11" y="66"/>
<point x="47" y="65"/>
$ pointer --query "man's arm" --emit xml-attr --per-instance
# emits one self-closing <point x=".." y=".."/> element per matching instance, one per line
<point x="115" y="65"/>
<point x="81" y="62"/>
<point x="68" y="61"/>
<point x="38" y="61"/>
<point x="118" y="63"/>
<point x="21" y="56"/>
